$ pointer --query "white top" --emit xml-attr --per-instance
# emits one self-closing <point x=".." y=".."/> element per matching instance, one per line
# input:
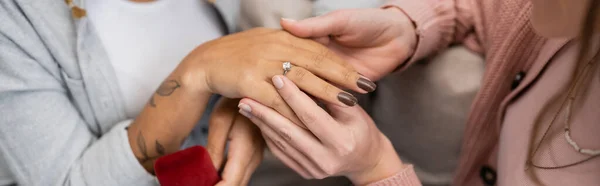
<point x="146" y="41"/>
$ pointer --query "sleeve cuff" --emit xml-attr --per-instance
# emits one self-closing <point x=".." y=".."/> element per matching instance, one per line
<point x="406" y="177"/>
<point x="111" y="161"/>
<point x="434" y="21"/>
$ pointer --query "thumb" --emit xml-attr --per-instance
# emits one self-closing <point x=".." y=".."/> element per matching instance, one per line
<point x="220" y="124"/>
<point x="333" y="23"/>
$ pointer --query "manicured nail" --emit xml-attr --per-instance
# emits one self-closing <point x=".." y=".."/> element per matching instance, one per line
<point x="278" y="82"/>
<point x="347" y="98"/>
<point x="288" y="19"/>
<point x="366" y="84"/>
<point x="245" y="107"/>
<point x="246" y="114"/>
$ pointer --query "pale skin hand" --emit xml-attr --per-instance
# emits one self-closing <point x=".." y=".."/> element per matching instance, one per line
<point x="345" y="143"/>
<point x="235" y="66"/>
<point x="375" y="41"/>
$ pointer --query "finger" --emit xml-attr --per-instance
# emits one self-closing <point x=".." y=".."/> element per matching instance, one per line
<point x="304" y="155"/>
<point x="266" y="94"/>
<point x="317" y="120"/>
<point x="316" y="87"/>
<point x="332" y="23"/>
<point x="319" y="88"/>
<point x="238" y="159"/>
<point x="220" y="123"/>
<point x="271" y="122"/>
<point x="325" y="63"/>
<point x="319" y="60"/>
<point x="289" y="162"/>
<point x="254" y="163"/>
<point x="253" y="133"/>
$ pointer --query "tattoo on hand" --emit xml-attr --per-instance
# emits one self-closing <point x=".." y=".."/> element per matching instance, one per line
<point x="141" y="142"/>
<point x="159" y="148"/>
<point x="166" y="89"/>
<point x="151" y="102"/>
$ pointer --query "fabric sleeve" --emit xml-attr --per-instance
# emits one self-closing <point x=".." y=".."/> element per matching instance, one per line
<point x="43" y="138"/>
<point x="406" y="177"/>
<point x="440" y="23"/>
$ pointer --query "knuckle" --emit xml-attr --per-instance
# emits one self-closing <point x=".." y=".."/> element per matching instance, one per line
<point x="330" y="169"/>
<point x="279" y="145"/>
<point x="348" y="75"/>
<point x="307" y="117"/>
<point x="327" y="89"/>
<point x="258" y="114"/>
<point x="319" y="57"/>
<point x="277" y="101"/>
<point x="285" y="96"/>
<point x="346" y="147"/>
<point x="300" y="74"/>
<point x="285" y="135"/>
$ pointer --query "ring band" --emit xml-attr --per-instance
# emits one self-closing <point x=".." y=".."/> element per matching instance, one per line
<point x="287" y="66"/>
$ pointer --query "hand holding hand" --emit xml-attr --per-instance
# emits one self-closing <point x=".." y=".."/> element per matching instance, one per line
<point x="346" y="143"/>
<point x="240" y="65"/>
<point x="236" y="66"/>
<point x="375" y="41"/>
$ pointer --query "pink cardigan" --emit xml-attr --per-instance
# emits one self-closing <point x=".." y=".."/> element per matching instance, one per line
<point x="501" y="130"/>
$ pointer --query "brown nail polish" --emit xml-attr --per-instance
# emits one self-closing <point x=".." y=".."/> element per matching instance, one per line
<point x="347" y="98"/>
<point x="366" y="84"/>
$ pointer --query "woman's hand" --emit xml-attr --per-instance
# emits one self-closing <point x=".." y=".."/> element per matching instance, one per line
<point x="240" y="65"/>
<point x="246" y="145"/>
<point x="375" y="41"/>
<point x="346" y="143"/>
<point x="235" y="66"/>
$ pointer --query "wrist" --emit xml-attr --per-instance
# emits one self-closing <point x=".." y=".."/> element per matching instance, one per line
<point x="388" y="165"/>
<point x="406" y="24"/>
<point x="193" y="77"/>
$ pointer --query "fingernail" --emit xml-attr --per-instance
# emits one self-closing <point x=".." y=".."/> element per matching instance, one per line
<point x="245" y="107"/>
<point x="347" y="98"/>
<point x="245" y="114"/>
<point x="366" y="84"/>
<point x="288" y="19"/>
<point x="278" y="82"/>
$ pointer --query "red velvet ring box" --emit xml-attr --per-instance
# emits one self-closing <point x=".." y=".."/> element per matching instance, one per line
<point x="191" y="166"/>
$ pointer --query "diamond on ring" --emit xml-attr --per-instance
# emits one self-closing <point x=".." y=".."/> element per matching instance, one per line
<point x="287" y="66"/>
